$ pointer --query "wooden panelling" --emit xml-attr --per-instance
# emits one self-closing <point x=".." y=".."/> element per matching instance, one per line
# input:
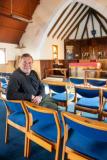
<point x="8" y="67"/>
<point x="95" y="45"/>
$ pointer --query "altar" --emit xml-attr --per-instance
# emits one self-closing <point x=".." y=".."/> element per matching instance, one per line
<point x="80" y="69"/>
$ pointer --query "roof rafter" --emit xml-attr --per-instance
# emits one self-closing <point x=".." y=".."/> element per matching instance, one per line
<point x="101" y="16"/>
<point x="77" y="31"/>
<point x="85" y="27"/>
<point x="76" y="25"/>
<point x="73" y="23"/>
<point x="58" y="19"/>
<point x="92" y="21"/>
<point x="75" y="13"/>
<point x="65" y="19"/>
<point x="101" y="31"/>
<point x="102" y="25"/>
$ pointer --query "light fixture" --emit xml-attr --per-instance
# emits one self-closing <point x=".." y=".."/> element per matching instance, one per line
<point x="93" y="32"/>
<point x="21" y="18"/>
<point x="20" y="46"/>
<point x="17" y="17"/>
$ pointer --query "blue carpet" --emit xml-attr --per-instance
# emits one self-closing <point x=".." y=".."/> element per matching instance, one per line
<point x="15" y="147"/>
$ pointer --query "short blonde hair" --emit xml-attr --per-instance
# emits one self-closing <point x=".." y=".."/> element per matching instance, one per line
<point x="26" y="55"/>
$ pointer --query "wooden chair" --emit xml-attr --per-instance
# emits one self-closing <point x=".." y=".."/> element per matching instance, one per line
<point x="104" y="103"/>
<point x="46" y="132"/>
<point x="60" y="93"/>
<point x="84" y="139"/>
<point x="77" y="80"/>
<point x="90" y="101"/>
<point x="16" y="117"/>
<point x="97" y="82"/>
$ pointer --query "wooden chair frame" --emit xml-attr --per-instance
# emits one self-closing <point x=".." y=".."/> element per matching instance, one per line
<point x="104" y="100"/>
<point x="66" y="85"/>
<point x="72" y="154"/>
<point x="46" y="144"/>
<point x="85" y="109"/>
<point x="11" y="123"/>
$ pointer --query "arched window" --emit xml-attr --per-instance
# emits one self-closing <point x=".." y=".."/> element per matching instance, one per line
<point x="2" y="56"/>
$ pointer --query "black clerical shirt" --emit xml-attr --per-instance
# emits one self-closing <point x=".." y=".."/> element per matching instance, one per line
<point x="22" y="86"/>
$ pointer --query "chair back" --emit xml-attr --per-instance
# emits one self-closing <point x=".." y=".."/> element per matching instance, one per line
<point x="46" y="130"/>
<point x="13" y="105"/>
<point x="89" y="128"/>
<point x="3" y="80"/>
<point x="76" y="81"/>
<point x="57" y="88"/>
<point x="97" y="83"/>
<point x="87" y="91"/>
<point x="104" y="93"/>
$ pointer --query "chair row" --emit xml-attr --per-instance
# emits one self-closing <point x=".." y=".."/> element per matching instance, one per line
<point x="86" y="99"/>
<point x="39" y="124"/>
<point x="89" y="81"/>
<point x="44" y="127"/>
<point x="93" y="100"/>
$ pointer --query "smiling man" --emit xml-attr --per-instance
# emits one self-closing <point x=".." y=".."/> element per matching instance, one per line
<point x="25" y="84"/>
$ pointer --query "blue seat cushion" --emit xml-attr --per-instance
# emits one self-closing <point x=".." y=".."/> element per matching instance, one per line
<point x="18" y="118"/>
<point x="47" y="128"/>
<point x="14" y="107"/>
<point x="87" y="146"/>
<point x="62" y="97"/>
<point x="89" y="102"/>
<point x="4" y="85"/>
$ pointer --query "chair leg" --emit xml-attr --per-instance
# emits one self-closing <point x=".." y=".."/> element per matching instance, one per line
<point x="28" y="148"/>
<point x="25" y="146"/>
<point x="74" y="110"/>
<point x="100" y="117"/>
<point x="6" y="132"/>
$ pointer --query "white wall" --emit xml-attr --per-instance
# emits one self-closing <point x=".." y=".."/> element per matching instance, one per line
<point x="11" y="50"/>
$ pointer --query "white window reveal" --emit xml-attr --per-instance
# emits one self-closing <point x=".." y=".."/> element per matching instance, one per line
<point x="2" y="56"/>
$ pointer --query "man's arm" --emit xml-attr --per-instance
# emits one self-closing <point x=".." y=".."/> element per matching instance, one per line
<point x="13" y="92"/>
<point x="41" y="91"/>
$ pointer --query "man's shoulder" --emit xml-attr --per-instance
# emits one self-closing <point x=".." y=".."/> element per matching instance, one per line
<point x="16" y="73"/>
<point x="33" y="72"/>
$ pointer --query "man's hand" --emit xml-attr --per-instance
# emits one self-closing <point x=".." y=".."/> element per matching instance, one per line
<point x="36" y="99"/>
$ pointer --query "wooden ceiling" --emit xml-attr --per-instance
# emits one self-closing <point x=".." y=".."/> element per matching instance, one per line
<point x="11" y="28"/>
<point x="78" y="21"/>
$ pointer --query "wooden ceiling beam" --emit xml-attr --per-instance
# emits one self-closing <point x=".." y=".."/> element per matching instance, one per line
<point x="75" y="13"/>
<point x="84" y="15"/>
<point x="87" y="32"/>
<point x="65" y="19"/>
<point x="57" y="21"/>
<point x="10" y="16"/>
<point x="102" y="25"/>
<point x="92" y="21"/>
<point x="11" y="28"/>
<point x="85" y="27"/>
<point x="100" y="15"/>
<point x="100" y="30"/>
<point x="77" y="31"/>
<point x="7" y="12"/>
<point x="73" y="23"/>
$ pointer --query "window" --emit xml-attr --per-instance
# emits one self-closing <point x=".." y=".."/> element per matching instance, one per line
<point x="2" y="56"/>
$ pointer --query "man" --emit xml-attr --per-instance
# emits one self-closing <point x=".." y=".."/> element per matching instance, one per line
<point x="25" y="84"/>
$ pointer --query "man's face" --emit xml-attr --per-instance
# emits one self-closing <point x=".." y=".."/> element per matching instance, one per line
<point x="26" y="65"/>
